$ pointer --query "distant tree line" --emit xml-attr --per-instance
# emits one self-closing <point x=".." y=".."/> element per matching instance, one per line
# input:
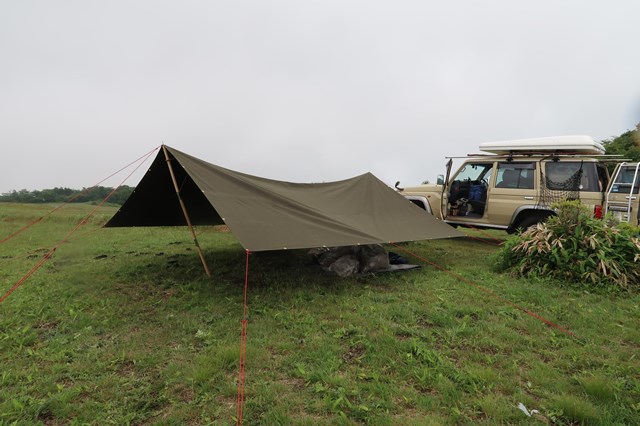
<point x="61" y="195"/>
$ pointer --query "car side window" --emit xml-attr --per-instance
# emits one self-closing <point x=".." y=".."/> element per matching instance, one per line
<point x="475" y="172"/>
<point x="516" y="175"/>
<point x="471" y="182"/>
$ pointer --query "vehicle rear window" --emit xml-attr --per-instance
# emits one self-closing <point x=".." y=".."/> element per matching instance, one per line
<point x="560" y="172"/>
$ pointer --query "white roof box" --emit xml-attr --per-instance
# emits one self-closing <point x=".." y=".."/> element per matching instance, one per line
<point x="555" y="144"/>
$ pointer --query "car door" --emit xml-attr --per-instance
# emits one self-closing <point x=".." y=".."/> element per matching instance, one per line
<point x="466" y="194"/>
<point x="514" y="187"/>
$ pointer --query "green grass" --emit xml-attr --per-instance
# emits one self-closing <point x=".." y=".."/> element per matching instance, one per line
<point x="122" y="326"/>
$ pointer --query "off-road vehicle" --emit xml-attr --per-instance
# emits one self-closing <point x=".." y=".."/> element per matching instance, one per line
<point x="513" y="184"/>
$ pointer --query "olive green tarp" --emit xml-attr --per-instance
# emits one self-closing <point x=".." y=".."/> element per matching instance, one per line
<point x="266" y="214"/>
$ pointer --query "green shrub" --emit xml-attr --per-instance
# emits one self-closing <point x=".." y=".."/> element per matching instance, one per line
<point x="574" y="246"/>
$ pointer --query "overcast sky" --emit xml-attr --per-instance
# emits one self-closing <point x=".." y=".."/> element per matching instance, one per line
<point x="304" y="90"/>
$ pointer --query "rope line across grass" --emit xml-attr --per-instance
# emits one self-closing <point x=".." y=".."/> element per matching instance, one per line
<point x="75" y="197"/>
<point x="243" y="345"/>
<point x="83" y="221"/>
<point x="494" y="241"/>
<point x="489" y="292"/>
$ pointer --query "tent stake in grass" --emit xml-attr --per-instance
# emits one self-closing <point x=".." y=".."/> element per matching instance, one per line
<point x="184" y="211"/>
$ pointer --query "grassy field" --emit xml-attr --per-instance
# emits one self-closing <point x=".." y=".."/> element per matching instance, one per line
<point x="122" y="326"/>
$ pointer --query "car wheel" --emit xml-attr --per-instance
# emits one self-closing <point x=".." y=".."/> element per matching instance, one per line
<point x="529" y="221"/>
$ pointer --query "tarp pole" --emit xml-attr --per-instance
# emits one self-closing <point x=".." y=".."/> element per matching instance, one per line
<point x="184" y="210"/>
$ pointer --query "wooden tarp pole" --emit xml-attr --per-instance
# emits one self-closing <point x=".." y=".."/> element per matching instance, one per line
<point x="184" y="210"/>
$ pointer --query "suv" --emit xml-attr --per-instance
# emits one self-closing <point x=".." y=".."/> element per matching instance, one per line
<point x="513" y="186"/>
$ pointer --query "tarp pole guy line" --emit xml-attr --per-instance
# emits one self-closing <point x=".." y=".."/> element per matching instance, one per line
<point x="72" y="199"/>
<point x="83" y="221"/>
<point x="184" y="211"/>
<point x="465" y="280"/>
<point x="482" y="240"/>
<point x="41" y="249"/>
<point x="243" y="346"/>
<point x="496" y="241"/>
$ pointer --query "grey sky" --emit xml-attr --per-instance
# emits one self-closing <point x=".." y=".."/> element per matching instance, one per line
<point x="304" y="90"/>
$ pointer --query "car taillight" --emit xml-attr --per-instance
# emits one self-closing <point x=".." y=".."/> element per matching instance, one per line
<point x="597" y="212"/>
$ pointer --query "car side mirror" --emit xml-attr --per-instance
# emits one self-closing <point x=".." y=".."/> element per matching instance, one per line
<point x="440" y="180"/>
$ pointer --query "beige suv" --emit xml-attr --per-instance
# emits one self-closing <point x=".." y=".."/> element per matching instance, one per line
<point x="514" y="185"/>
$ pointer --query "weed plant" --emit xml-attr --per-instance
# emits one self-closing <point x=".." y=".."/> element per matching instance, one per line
<point x="574" y="246"/>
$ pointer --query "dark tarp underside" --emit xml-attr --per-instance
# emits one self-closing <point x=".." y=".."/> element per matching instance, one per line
<point x="266" y="214"/>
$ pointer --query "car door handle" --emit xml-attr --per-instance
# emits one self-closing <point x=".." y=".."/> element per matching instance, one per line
<point x="528" y="197"/>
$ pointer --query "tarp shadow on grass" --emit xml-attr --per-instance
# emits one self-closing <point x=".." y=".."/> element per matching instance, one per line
<point x="269" y="272"/>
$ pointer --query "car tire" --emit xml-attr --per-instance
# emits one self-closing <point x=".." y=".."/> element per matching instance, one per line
<point x="530" y="221"/>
